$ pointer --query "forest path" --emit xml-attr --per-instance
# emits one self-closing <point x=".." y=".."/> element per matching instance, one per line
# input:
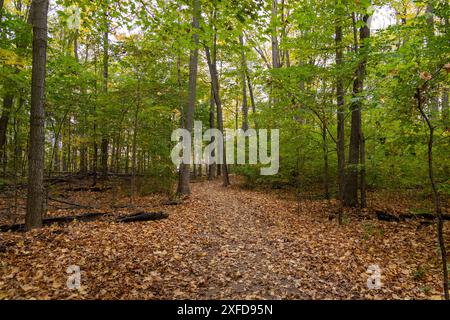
<point x="223" y="243"/>
<point x="257" y="245"/>
<point x="246" y="248"/>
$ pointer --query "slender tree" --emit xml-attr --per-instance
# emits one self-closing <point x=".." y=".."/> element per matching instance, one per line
<point x="244" y="85"/>
<point x="436" y="196"/>
<point x="212" y="114"/>
<point x="36" y="194"/>
<point x="356" y="136"/>
<point x="183" y="184"/>
<point x="105" y="140"/>
<point x="340" y="94"/>
<point x="275" y="51"/>
<point x="215" y="84"/>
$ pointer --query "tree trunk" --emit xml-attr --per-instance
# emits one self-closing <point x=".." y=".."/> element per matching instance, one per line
<point x="4" y="119"/>
<point x="340" y="93"/>
<point x="275" y="52"/>
<point x="445" y="110"/>
<point x="215" y="84"/>
<point x="436" y="195"/>
<point x="104" y="157"/>
<point x="105" y="142"/>
<point x="36" y="194"/>
<point x="326" y="175"/>
<point x="134" y="147"/>
<point x="244" y="86"/>
<point x="212" y="115"/>
<point x="183" y="183"/>
<point x="127" y="156"/>
<point x="351" y="188"/>
<point x="362" y="178"/>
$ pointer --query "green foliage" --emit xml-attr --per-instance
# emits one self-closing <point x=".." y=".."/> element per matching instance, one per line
<point x="148" y="53"/>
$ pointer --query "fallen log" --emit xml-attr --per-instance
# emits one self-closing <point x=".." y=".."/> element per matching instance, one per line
<point x="71" y="203"/>
<point x="142" y="217"/>
<point x="385" y="216"/>
<point x="90" y="189"/>
<point x="87" y="217"/>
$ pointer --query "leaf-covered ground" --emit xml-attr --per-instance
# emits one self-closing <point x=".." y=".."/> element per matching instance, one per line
<point x="223" y="244"/>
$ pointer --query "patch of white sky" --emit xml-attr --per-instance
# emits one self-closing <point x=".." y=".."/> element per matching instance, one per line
<point x="382" y="18"/>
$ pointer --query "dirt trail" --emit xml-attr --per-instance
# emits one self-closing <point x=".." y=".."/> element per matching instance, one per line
<point x="224" y="243"/>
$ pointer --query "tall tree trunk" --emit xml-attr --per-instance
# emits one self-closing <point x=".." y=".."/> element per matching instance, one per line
<point x="83" y="165"/>
<point x="351" y="187"/>
<point x="36" y="194"/>
<point x="436" y="195"/>
<point x="183" y="183"/>
<point x="105" y="142"/>
<point x="94" y="135"/>
<point x="95" y="155"/>
<point x="284" y="15"/>
<point x="326" y="175"/>
<point x="135" y="134"/>
<point x="362" y="177"/>
<point x="244" y="86"/>
<point x="69" y="147"/>
<point x="214" y="61"/>
<point x="215" y="84"/>
<point x="275" y="51"/>
<point x="340" y="94"/>
<point x="127" y="155"/>
<point x="212" y="115"/>
<point x="252" y="99"/>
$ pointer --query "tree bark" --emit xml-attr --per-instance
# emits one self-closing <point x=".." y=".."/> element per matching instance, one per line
<point x="212" y="115"/>
<point x="36" y="194"/>
<point x="135" y="134"/>
<point x="105" y="142"/>
<point x="436" y="195"/>
<point x="183" y="183"/>
<point x="244" y="86"/>
<point x="214" y="169"/>
<point x="326" y="175"/>
<point x="351" y="188"/>
<point x="275" y="51"/>
<point x="445" y="110"/>
<point x="215" y="84"/>
<point x="340" y="95"/>
<point x="4" y="119"/>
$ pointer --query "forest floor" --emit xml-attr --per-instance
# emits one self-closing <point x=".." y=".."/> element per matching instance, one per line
<point x="222" y="243"/>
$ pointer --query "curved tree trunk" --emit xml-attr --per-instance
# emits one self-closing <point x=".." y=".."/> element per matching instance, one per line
<point x="436" y="195"/>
